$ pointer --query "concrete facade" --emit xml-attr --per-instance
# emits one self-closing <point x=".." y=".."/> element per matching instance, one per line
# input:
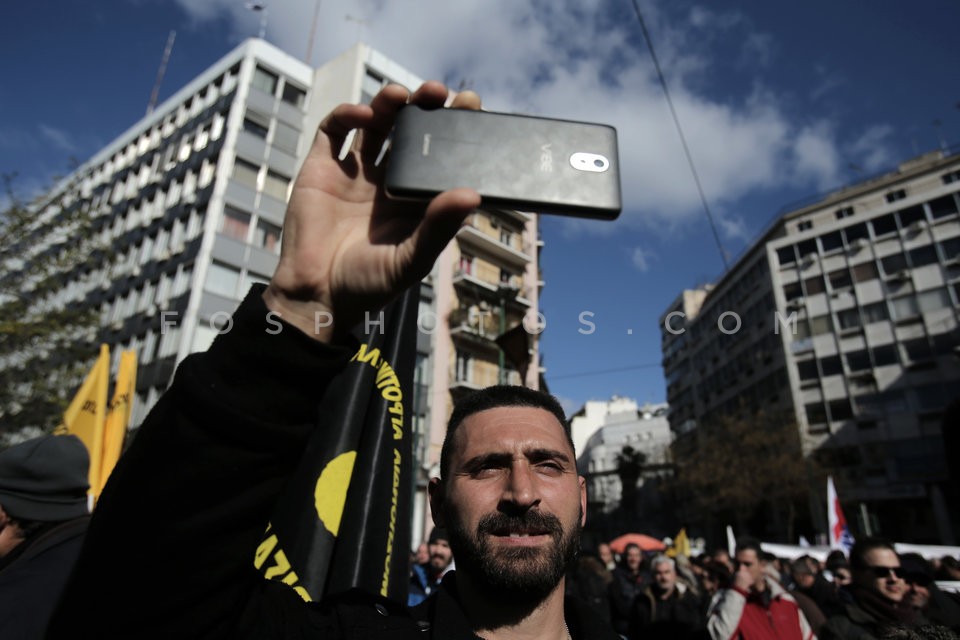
<point x="844" y="318"/>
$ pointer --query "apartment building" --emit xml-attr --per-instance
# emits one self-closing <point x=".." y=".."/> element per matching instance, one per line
<point x="618" y="423"/>
<point x="843" y="316"/>
<point x="191" y="201"/>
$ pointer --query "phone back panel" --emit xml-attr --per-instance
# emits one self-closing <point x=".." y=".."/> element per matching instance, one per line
<point x="514" y="161"/>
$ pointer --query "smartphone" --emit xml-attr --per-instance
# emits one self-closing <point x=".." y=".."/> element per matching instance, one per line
<point x="518" y="162"/>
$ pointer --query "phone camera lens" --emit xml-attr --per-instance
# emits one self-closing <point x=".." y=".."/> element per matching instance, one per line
<point x="598" y="163"/>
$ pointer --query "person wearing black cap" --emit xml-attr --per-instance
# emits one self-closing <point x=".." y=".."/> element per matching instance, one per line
<point x="43" y="518"/>
<point x="426" y="577"/>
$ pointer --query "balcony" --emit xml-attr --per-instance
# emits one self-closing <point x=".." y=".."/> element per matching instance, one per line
<point x="477" y="239"/>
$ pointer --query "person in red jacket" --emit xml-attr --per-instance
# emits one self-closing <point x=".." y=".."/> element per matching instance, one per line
<point x="755" y="607"/>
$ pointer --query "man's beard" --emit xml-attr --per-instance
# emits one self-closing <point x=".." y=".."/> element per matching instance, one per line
<point x="519" y="574"/>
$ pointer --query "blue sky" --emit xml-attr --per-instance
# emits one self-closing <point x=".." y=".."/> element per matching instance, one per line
<point x="778" y="100"/>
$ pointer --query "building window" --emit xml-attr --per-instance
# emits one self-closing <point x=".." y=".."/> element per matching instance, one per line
<point x="865" y="271"/>
<point x="876" y="312"/>
<point x="904" y="307"/>
<point x="464" y="372"/>
<point x="885" y="355"/>
<point x="222" y="279"/>
<point x="831" y="241"/>
<point x="286" y="137"/>
<point x="843" y="212"/>
<point x="831" y="366"/>
<point x="899" y="194"/>
<point x="840" y="279"/>
<point x="943" y="206"/>
<point x="933" y="300"/>
<point x="466" y="264"/>
<point x="816" y="414"/>
<point x="855" y="233"/>
<point x="265" y="81"/>
<point x="807" y="247"/>
<point x="953" y="176"/>
<point x="911" y="215"/>
<point x="276" y="185"/>
<point x="235" y="223"/>
<point x="804" y="225"/>
<point x="267" y="236"/>
<point x="857" y="360"/>
<point x="848" y="319"/>
<point x="786" y="256"/>
<point x="256" y="124"/>
<point x="917" y="350"/>
<point x="293" y="94"/>
<point x="792" y="291"/>
<point x="814" y="285"/>
<point x="840" y="410"/>
<point x="245" y="173"/>
<point x="922" y="256"/>
<point x="807" y="369"/>
<point x="821" y="325"/>
<point x="893" y="264"/>
<point x="884" y="225"/>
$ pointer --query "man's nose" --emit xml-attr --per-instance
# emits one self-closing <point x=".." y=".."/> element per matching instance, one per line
<point x="521" y="487"/>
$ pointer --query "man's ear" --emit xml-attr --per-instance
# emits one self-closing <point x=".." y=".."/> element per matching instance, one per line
<point x="436" y="491"/>
<point x="583" y="500"/>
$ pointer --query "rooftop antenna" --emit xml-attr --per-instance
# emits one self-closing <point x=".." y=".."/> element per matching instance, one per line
<point x="162" y="70"/>
<point x="313" y="32"/>
<point x="261" y="8"/>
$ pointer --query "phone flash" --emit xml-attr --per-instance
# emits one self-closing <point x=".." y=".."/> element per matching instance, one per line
<point x="593" y="162"/>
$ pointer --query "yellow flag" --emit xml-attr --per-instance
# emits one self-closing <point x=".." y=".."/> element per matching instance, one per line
<point x="118" y="416"/>
<point x="85" y="416"/>
<point x="681" y="545"/>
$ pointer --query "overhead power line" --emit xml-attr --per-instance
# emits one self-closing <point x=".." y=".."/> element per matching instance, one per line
<point x="683" y="138"/>
<point x="584" y="374"/>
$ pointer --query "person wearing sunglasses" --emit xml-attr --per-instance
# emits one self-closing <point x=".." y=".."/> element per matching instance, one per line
<point x="875" y="596"/>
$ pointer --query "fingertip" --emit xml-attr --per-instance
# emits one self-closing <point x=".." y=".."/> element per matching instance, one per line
<point x="467" y="100"/>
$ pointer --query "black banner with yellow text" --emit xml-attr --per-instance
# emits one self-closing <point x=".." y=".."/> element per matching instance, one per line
<point x="344" y="520"/>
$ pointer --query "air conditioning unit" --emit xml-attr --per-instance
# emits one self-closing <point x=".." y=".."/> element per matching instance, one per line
<point x="917" y="226"/>
<point x="858" y="244"/>
<point x="903" y="274"/>
<point x="796" y="303"/>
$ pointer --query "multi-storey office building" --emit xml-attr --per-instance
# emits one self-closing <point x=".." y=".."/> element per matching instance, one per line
<point x="191" y="201"/>
<point x="863" y="353"/>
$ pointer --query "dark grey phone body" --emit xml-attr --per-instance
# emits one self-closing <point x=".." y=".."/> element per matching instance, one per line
<point x="513" y="161"/>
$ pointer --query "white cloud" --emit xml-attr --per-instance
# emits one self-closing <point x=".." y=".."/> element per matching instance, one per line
<point x="872" y="150"/>
<point x="60" y="139"/>
<point x="641" y="258"/>
<point x="585" y="60"/>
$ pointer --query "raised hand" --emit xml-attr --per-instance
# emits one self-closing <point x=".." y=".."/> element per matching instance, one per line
<point x="347" y="249"/>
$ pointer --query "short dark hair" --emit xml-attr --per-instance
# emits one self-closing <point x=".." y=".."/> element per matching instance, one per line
<point x="863" y="546"/>
<point x="494" y="398"/>
<point x="747" y="544"/>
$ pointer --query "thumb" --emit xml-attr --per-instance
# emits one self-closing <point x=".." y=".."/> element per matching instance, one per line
<point x="441" y="221"/>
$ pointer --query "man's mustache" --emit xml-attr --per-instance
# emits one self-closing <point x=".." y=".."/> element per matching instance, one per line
<point x="530" y="522"/>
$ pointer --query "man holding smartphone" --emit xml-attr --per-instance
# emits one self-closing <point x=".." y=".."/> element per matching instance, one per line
<point x="169" y="548"/>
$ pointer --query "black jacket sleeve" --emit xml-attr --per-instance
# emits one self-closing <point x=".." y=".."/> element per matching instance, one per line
<point x="170" y="546"/>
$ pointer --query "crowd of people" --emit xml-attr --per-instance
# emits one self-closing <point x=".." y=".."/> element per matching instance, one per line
<point x="875" y="593"/>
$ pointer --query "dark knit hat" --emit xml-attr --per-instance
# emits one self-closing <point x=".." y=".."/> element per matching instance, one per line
<point x="916" y="569"/>
<point x="438" y="533"/>
<point x="45" y="479"/>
